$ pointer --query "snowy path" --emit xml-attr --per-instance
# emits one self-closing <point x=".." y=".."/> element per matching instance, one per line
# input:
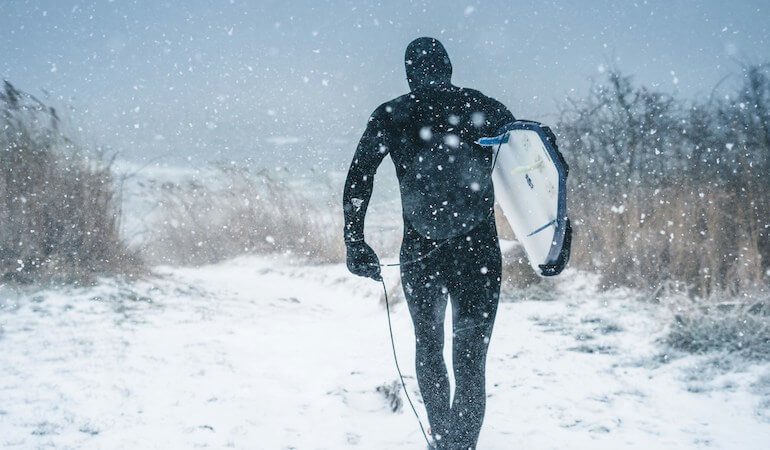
<point x="260" y="354"/>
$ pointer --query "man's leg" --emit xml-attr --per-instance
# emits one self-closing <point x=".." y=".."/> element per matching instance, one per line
<point x="475" y="291"/>
<point x="426" y="296"/>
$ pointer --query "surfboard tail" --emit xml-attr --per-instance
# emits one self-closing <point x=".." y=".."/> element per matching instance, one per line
<point x="553" y="268"/>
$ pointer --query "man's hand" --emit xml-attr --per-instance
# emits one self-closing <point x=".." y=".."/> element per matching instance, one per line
<point x="362" y="260"/>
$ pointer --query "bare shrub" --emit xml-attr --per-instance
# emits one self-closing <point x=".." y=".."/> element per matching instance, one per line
<point x="59" y="219"/>
<point x="392" y="393"/>
<point x="241" y="211"/>
<point x="669" y="194"/>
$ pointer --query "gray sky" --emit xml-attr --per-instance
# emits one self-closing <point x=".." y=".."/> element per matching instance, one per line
<point x="293" y="82"/>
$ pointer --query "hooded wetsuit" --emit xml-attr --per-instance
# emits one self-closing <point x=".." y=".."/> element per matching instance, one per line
<point x="447" y="201"/>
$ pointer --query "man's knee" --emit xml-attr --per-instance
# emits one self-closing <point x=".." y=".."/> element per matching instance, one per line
<point x="430" y="348"/>
<point x="470" y="348"/>
<point x="472" y="331"/>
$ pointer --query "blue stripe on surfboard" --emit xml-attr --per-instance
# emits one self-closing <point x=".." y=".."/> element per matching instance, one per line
<point x="553" y="222"/>
<point x="491" y="141"/>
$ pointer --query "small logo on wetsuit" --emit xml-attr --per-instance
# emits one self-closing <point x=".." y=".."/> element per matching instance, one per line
<point x="529" y="181"/>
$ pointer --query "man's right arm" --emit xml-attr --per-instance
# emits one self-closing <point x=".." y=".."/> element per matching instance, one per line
<point x="371" y="150"/>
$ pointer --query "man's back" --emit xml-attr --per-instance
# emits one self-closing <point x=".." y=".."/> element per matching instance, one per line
<point x="431" y="134"/>
<point x="445" y="177"/>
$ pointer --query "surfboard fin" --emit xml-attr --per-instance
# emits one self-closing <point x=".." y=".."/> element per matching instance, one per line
<point x="554" y="268"/>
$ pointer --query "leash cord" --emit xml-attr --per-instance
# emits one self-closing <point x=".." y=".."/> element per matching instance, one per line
<point x="398" y="368"/>
<point x="393" y="341"/>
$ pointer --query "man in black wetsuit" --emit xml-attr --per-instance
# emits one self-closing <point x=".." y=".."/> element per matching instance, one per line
<point x="450" y="248"/>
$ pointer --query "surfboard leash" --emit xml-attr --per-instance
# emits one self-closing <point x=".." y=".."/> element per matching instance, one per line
<point x="499" y="146"/>
<point x="393" y="341"/>
<point x="398" y="368"/>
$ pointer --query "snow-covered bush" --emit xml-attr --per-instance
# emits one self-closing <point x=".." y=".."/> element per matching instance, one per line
<point x="732" y="326"/>
<point x="670" y="193"/>
<point x="59" y="208"/>
<point x="244" y="211"/>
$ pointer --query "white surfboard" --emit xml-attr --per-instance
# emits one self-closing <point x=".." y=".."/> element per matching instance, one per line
<point x="530" y="182"/>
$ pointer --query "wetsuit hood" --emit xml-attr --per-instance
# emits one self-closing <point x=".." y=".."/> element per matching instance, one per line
<point x="427" y="64"/>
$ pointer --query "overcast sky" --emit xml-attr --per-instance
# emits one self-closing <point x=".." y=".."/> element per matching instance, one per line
<point x="293" y="82"/>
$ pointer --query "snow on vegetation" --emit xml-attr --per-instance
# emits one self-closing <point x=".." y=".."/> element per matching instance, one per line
<point x="740" y="327"/>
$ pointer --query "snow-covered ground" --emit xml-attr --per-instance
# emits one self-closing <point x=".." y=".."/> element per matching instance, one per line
<point x="261" y="353"/>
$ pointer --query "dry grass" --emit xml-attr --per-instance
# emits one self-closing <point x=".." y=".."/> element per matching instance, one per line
<point x="246" y="212"/>
<point x="703" y="239"/>
<point x="60" y="214"/>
